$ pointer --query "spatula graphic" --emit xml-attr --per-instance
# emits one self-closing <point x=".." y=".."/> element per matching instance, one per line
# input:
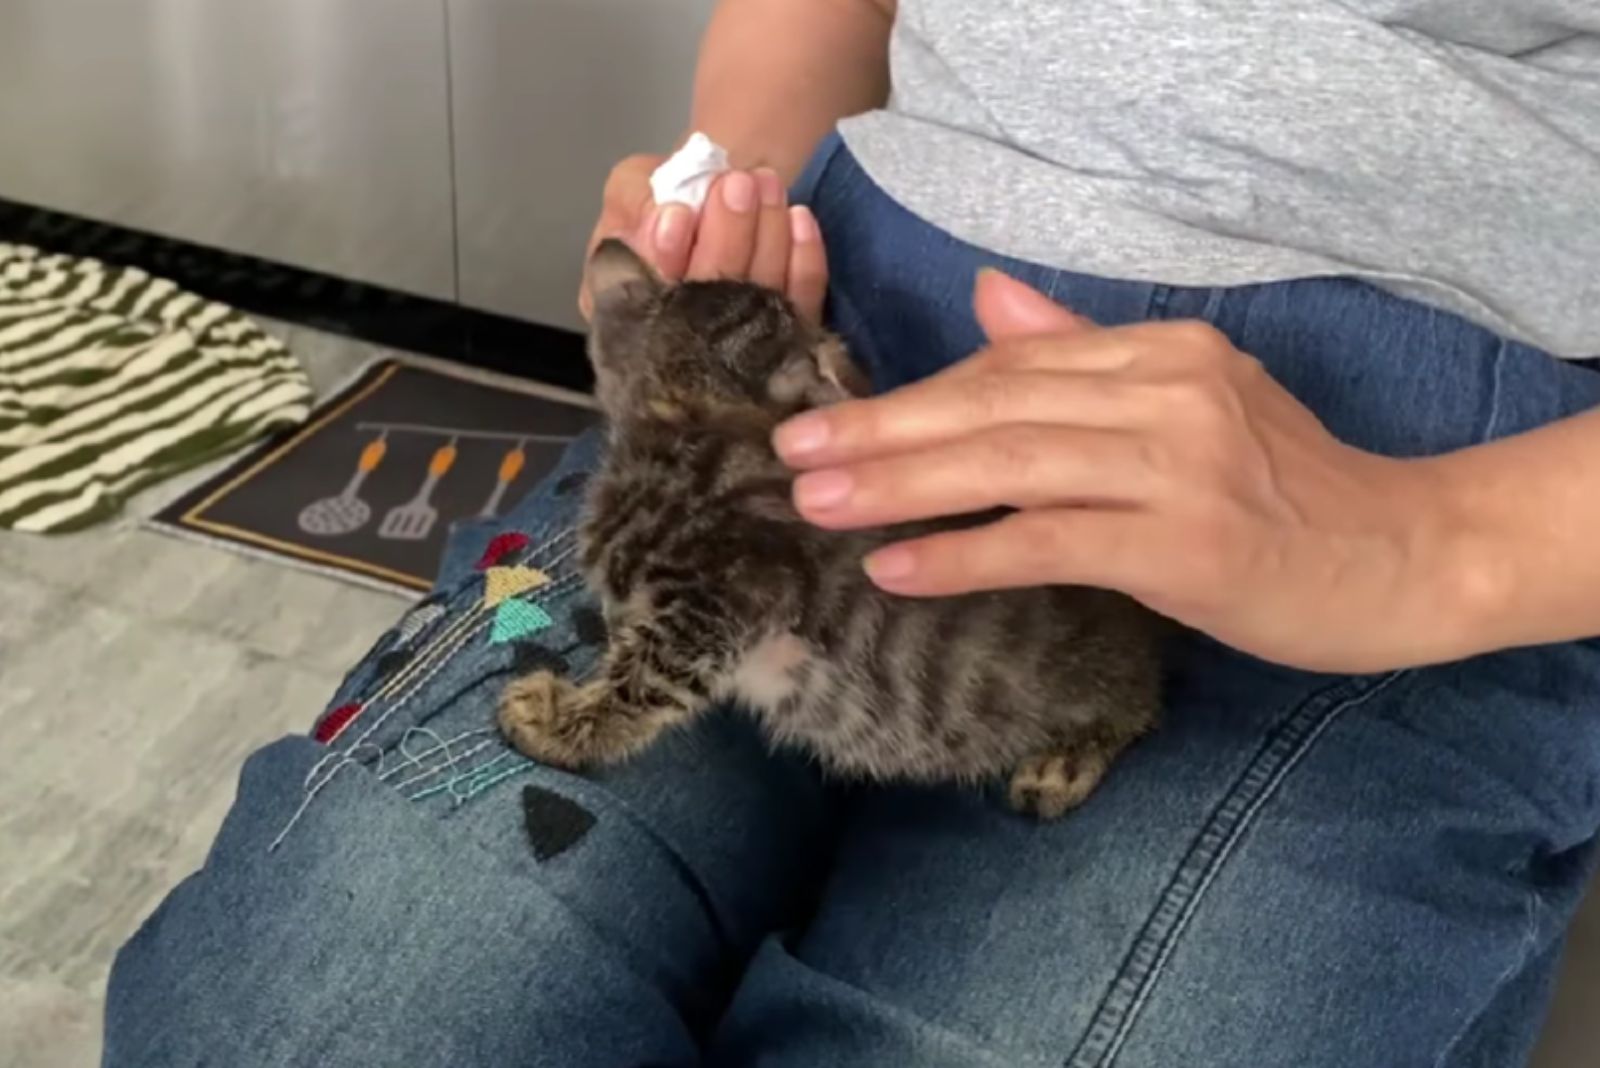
<point x="347" y="512"/>
<point x="414" y="520"/>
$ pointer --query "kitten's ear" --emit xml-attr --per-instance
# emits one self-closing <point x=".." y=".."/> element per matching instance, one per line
<point x="819" y="375"/>
<point x="619" y="277"/>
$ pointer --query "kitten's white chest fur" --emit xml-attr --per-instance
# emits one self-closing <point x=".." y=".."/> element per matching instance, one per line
<point x="768" y="674"/>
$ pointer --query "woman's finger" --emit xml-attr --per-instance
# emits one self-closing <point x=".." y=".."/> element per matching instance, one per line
<point x="808" y="264"/>
<point x="726" y="240"/>
<point x="769" y="264"/>
<point x="1007" y="308"/>
<point x="668" y="240"/>
<point x="1114" y="549"/>
<point x="1016" y="466"/>
<point x="942" y="408"/>
<point x="1082" y="349"/>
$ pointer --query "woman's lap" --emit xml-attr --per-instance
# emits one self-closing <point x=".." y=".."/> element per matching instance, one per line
<point x="414" y="892"/>
<point x="1297" y="869"/>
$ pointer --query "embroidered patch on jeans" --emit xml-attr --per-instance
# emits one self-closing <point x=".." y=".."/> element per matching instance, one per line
<point x="500" y="583"/>
<point x="531" y="658"/>
<point x="555" y="823"/>
<point x="393" y="661"/>
<point x="589" y="624"/>
<point x="517" y="619"/>
<point x="334" y="723"/>
<point x="416" y="621"/>
<point x="501" y="546"/>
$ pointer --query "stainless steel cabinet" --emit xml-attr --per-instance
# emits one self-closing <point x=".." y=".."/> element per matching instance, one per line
<point x="547" y="95"/>
<point x="453" y="148"/>
<point x="313" y="132"/>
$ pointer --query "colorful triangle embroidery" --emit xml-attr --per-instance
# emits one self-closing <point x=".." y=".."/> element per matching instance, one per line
<point x="334" y="723"/>
<point x="517" y="619"/>
<point x="416" y="621"/>
<point x="500" y="583"/>
<point x="501" y="546"/>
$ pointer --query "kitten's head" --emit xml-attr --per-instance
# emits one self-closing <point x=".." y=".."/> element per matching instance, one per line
<point x="659" y="347"/>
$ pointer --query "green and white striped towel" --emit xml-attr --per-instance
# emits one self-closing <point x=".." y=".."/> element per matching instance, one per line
<point x="111" y="380"/>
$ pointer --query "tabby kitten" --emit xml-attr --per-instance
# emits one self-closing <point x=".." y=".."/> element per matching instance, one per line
<point x="714" y="589"/>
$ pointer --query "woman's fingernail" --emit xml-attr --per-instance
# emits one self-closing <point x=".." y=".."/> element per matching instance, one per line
<point x="802" y="225"/>
<point x="802" y="434"/>
<point x="673" y="226"/>
<point x="891" y="564"/>
<point x="739" y="192"/>
<point x="823" y="489"/>
<point x="771" y="187"/>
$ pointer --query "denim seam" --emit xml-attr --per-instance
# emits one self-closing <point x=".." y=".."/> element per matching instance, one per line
<point x="1496" y="392"/>
<point x="1160" y="300"/>
<point x="845" y="312"/>
<point x="586" y="791"/>
<point x="1280" y="752"/>
<point x="1530" y="941"/>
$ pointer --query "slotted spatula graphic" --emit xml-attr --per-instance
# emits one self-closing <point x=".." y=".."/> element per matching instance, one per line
<point x="414" y="520"/>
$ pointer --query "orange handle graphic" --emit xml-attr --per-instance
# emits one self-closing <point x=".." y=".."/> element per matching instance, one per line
<point x="511" y="466"/>
<point x="372" y="455"/>
<point x="442" y="461"/>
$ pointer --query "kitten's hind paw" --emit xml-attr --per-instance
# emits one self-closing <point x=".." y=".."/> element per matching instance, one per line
<point x="554" y="722"/>
<point x="1049" y="784"/>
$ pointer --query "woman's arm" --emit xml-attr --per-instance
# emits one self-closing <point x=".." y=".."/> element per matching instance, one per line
<point x="1529" y="509"/>
<point x="773" y="78"/>
<point x="775" y="75"/>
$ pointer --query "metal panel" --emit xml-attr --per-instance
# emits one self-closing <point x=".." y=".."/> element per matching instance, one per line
<point x="313" y="132"/>
<point x="548" y="95"/>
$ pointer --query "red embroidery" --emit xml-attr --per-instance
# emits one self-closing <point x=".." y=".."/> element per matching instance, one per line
<point x="334" y="723"/>
<point x="500" y="546"/>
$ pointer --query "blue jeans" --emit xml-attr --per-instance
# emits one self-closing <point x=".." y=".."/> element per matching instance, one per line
<point x="1298" y="870"/>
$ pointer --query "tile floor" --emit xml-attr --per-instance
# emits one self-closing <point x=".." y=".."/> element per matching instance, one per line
<point x="138" y="671"/>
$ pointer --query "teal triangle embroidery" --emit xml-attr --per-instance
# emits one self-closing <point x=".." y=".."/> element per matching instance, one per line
<point x="515" y="619"/>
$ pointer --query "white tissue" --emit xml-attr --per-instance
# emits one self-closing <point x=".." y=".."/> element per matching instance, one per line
<point x="686" y="178"/>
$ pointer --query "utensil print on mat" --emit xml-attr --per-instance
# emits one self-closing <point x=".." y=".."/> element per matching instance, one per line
<point x="346" y="513"/>
<point x="413" y="520"/>
<point x="510" y="468"/>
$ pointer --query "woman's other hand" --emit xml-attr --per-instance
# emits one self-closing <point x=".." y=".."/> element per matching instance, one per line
<point x="1155" y="459"/>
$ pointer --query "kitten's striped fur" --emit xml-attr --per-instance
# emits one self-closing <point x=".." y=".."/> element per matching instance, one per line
<point x="714" y="589"/>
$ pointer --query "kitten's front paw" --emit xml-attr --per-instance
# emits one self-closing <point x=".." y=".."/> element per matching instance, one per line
<point x="1049" y="784"/>
<point x="548" y="719"/>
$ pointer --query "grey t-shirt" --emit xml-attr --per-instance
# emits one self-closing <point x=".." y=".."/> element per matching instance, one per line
<point x="1448" y="150"/>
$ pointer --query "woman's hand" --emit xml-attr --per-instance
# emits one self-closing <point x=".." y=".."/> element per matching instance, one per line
<point x="746" y="231"/>
<point x="1153" y="459"/>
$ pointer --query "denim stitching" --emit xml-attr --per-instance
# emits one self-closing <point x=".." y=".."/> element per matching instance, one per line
<point x="1530" y="940"/>
<point x="1278" y="755"/>
<point x="484" y="618"/>
<point x="441" y="745"/>
<point x="1160" y="298"/>
<point x="424" y="655"/>
<point x="1496" y="393"/>
<point x="430" y="660"/>
<point x="481" y="619"/>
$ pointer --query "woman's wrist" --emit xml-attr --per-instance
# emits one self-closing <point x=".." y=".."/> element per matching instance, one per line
<point x="1469" y="560"/>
